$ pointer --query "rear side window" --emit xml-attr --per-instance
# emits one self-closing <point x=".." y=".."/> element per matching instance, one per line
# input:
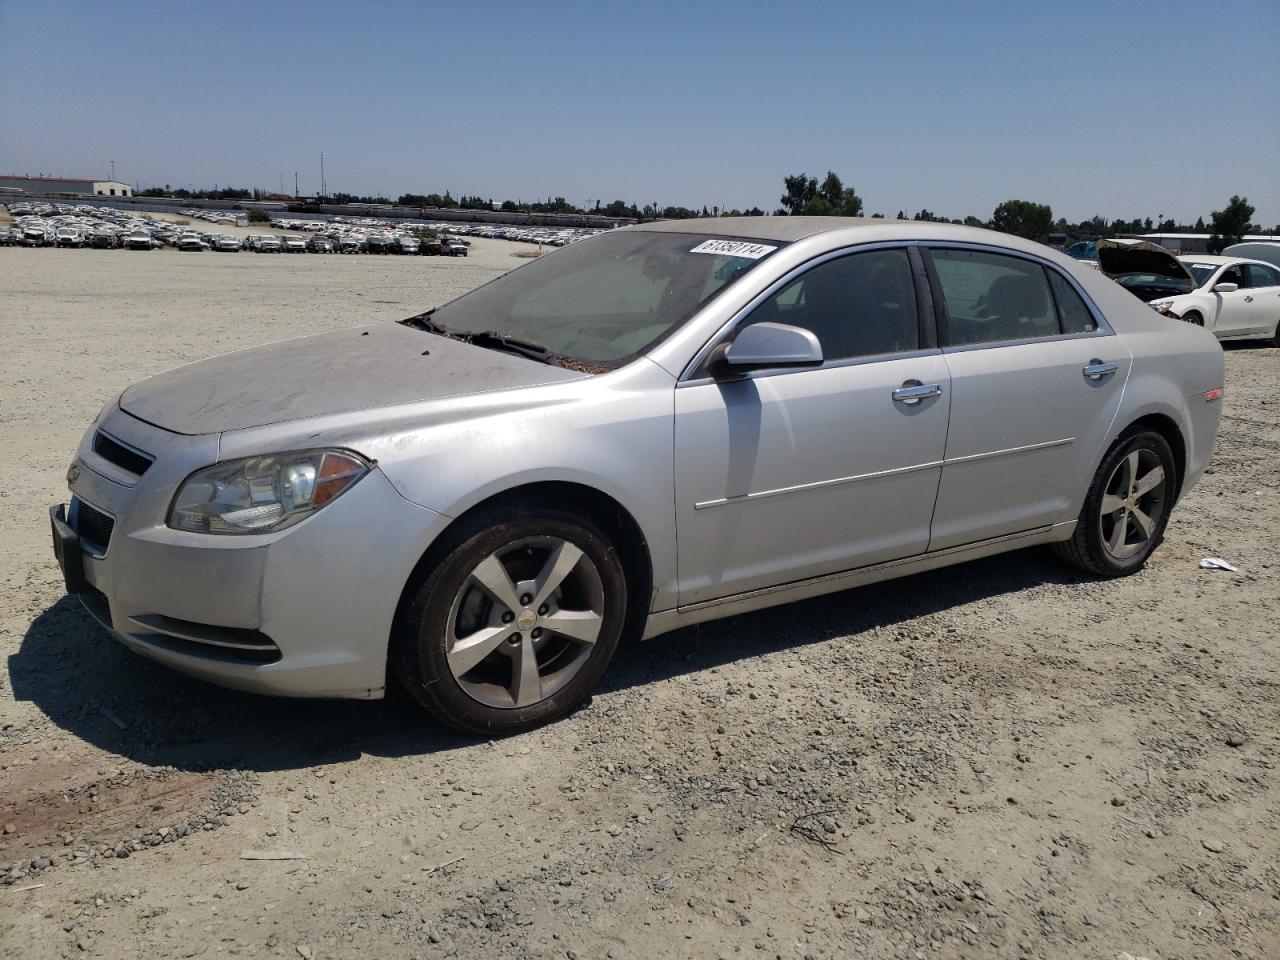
<point x="857" y="306"/>
<point x="1260" y="276"/>
<point x="991" y="297"/>
<point x="1073" y="315"/>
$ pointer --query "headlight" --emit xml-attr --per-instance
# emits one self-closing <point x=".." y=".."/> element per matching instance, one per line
<point x="1160" y="306"/>
<point x="264" y="494"/>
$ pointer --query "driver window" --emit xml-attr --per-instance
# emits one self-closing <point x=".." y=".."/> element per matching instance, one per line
<point x="1231" y="275"/>
<point x="857" y="306"/>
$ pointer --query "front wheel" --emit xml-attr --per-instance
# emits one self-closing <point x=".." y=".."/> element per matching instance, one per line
<point x="1127" y="508"/>
<point x="516" y="622"/>
<point x="1193" y="318"/>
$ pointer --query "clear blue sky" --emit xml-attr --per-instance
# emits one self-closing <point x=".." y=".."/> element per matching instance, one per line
<point x="1120" y="108"/>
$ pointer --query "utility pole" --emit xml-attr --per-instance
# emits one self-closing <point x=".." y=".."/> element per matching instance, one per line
<point x="295" y="184"/>
<point x="324" y="187"/>
<point x="113" y="169"/>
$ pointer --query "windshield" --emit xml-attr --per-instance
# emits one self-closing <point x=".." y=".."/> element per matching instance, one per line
<point x="1082" y="250"/>
<point x="605" y="300"/>
<point x="1201" y="271"/>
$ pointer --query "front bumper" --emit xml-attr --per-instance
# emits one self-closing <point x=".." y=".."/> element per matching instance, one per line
<point x="304" y="612"/>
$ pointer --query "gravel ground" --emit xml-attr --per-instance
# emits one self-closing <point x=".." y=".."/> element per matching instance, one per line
<point x="1002" y="759"/>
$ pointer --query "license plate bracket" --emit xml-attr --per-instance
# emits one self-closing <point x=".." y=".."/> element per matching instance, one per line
<point x="66" y="548"/>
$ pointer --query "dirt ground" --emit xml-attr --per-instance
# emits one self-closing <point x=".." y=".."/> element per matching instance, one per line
<point x="1002" y="759"/>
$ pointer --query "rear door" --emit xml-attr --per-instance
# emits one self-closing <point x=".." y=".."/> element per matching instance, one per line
<point x="1264" y="289"/>
<point x="1036" y="380"/>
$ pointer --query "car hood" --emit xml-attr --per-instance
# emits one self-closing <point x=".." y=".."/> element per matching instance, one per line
<point x="1117" y="258"/>
<point x="358" y="369"/>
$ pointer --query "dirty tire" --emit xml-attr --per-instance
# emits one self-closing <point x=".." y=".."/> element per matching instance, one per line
<point x="1193" y="318"/>
<point x="427" y="624"/>
<point x="1087" y="548"/>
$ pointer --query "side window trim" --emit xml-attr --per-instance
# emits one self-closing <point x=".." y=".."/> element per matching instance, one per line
<point x="695" y="372"/>
<point x="942" y="318"/>
<point x="925" y="308"/>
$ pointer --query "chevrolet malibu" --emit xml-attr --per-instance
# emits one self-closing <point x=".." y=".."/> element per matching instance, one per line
<point x="655" y="427"/>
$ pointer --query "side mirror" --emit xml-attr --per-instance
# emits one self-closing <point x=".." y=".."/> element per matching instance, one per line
<point x="766" y="345"/>
<point x="1226" y="287"/>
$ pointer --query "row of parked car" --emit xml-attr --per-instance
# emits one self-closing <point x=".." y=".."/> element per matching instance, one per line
<point x="71" y="225"/>
<point x="545" y="236"/>
<point x="33" y="232"/>
<point x="347" y="242"/>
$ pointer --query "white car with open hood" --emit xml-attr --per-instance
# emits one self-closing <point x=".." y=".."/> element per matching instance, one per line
<point x="1234" y="297"/>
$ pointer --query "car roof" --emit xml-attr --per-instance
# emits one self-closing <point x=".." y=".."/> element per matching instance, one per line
<point x="1217" y="260"/>
<point x="784" y="228"/>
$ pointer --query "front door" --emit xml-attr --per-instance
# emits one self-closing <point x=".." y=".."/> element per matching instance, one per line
<point x="1035" y="386"/>
<point x="789" y="474"/>
<point x="1233" y="311"/>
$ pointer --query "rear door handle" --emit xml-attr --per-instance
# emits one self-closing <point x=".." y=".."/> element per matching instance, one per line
<point x="913" y="391"/>
<point x="1248" y="299"/>
<point x="1097" y="369"/>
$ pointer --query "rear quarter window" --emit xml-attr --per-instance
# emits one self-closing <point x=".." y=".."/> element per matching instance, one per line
<point x="1073" y="315"/>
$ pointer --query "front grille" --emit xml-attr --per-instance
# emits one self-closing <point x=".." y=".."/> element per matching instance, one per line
<point x="93" y="525"/>
<point x="112" y="451"/>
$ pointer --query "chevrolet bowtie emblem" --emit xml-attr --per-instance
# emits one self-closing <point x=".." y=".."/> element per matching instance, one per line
<point x="73" y="474"/>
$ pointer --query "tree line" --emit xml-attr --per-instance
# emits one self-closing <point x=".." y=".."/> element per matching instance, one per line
<point x="808" y="196"/>
<point x="804" y="195"/>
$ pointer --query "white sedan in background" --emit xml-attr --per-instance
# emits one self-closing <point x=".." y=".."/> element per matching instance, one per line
<point x="1234" y="298"/>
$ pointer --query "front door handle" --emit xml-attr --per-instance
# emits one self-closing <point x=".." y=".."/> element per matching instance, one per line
<point x="1248" y="299"/>
<point x="1097" y="369"/>
<point x="913" y="391"/>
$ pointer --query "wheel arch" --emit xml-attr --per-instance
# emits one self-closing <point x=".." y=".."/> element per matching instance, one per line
<point x="615" y="519"/>
<point x="1168" y="428"/>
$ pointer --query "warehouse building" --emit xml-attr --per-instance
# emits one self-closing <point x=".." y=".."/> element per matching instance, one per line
<point x="43" y="185"/>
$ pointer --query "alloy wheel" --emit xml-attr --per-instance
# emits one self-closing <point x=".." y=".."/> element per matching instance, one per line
<point x="1133" y="504"/>
<point x="524" y="622"/>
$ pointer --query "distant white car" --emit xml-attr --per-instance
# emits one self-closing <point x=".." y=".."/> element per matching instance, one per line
<point x="1235" y="298"/>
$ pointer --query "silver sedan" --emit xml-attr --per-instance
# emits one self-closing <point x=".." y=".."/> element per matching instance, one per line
<point x="658" y="426"/>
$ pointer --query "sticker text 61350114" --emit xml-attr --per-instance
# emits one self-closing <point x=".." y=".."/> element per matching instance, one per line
<point x="734" y="248"/>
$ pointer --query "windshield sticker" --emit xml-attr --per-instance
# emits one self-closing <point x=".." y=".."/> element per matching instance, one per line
<point x="734" y="248"/>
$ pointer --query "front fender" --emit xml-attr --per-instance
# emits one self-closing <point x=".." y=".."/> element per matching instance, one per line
<point x="611" y="433"/>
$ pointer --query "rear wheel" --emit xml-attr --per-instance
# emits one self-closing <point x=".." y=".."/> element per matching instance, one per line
<point x="516" y="623"/>
<point x="1127" y="508"/>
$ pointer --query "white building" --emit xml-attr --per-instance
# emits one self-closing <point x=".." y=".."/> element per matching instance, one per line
<point x="44" y="185"/>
